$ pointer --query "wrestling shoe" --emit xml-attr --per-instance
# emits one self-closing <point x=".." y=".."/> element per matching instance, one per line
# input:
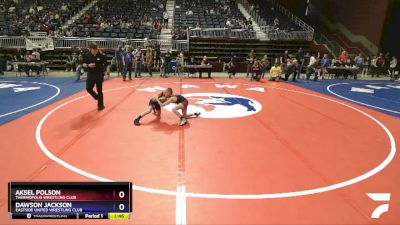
<point x="137" y="121"/>
<point x="183" y="122"/>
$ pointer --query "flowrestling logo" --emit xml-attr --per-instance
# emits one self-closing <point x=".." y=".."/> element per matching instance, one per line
<point x="220" y="106"/>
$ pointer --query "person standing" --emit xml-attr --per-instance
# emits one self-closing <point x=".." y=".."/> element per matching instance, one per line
<point x="3" y="64"/>
<point x="167" y="63"/>
<point x="179" y="63"/>
<point x="380" y="65"/>
<point x="149" y="60"/>
<point x="157" y="56"/>
<point x="393" y="67"/>
<point x="265" y="65"/>
<point x="119" y="53"/>
<point x="231" y="66"/>
<point x="138" y="55"/>
<point x="127" y="61"/>
<point x="96" y="64"/>
<point x="366" y="66"/>
<point x="300" y="62"/>
<point x="256" y="71"/>
<point x="18" y="57"/>
<point x="79" y="68"/>
<point x="251" y="57"/>
<point x="165" y="17"/>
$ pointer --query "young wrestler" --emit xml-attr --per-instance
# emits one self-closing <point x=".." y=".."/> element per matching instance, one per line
<point x="154" y="105"/>
<point x="181" y="104"/>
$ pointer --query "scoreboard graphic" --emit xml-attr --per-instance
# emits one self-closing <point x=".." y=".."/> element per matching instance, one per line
<point x="70" y="200"/>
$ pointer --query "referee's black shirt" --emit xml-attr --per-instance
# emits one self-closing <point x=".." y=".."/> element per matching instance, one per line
<point x="96" y="73"/>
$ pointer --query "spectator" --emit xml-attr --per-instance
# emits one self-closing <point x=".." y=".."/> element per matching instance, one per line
<point x="231" y="67"/>
<point x="291" y="68"/>
<point x="157" y="55"/>
<point x="256" y="75"/>
<point x="192" y="71"/>
<point x="205" y="62"/>
<point x="149" y="60"/>
<point x="275" y="72"/>
<point x="265" y="65"/>
<point x="167" y="62"/>
<point x="35" y="55"/>
<point x="119" y="54"/>
<point x="80" y="70"/>
<point x="366" y="66"/>
<point x="285" y="57"/>
<point x="189" y="12"/>
<point x="3" y="64"/>
<point x="312" y="67"/>
<point x="325" y="62"/>
<point x="359" y="62"/>
<point x="127" y="62"/>
<point x="393" y="67"/>
<point x="180" y="61"/>
<point x="162" y="66"/>
<point x="300" y="60"/>
<point x="380" y="65"/>
<point x="138" y="56"/>
<point x="374" y="67"/>
<point x="343" y="58"/>
<point x="276" y="23"/>
<point x="19" y="57"/>
<point x="165" y="17"/>
<point x="251" y="57"/>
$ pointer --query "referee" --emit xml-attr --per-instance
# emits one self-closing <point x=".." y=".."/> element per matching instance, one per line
<point x="96" y="64"/>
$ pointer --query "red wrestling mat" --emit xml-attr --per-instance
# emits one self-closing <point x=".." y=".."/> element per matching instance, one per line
<point x="261" y="153"/>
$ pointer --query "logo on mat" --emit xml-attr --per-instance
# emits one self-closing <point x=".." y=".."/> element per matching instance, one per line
<point x="217" y="105"/>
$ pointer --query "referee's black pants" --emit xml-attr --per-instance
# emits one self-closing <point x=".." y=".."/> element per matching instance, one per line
<point x="99" y="87"/>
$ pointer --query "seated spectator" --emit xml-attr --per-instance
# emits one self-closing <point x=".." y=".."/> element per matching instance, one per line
<point x="325" y="62"/>
<point x="276" y="72"/>
<point x="312" y="66"/>
<point x="380" y="65"/>
<point x="192" y="71"/>
<point x="189" y="12"/>
<point x="343" y="58"/>
<point x="205" y="62"/>
<point x="291" y="68"/>
<point x="35" y="57"/>
<point x="359" y="60"/>
<point x="276" y="23"/>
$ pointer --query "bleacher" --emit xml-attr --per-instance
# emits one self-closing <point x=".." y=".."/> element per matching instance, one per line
<point x="121" y="19"/>
<point x="32" y="15"/>
<point x="223" y="49"/>
<point x="112" y="23"/>
<point x="269" y="12"/>
<point x="207" y="14"/>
